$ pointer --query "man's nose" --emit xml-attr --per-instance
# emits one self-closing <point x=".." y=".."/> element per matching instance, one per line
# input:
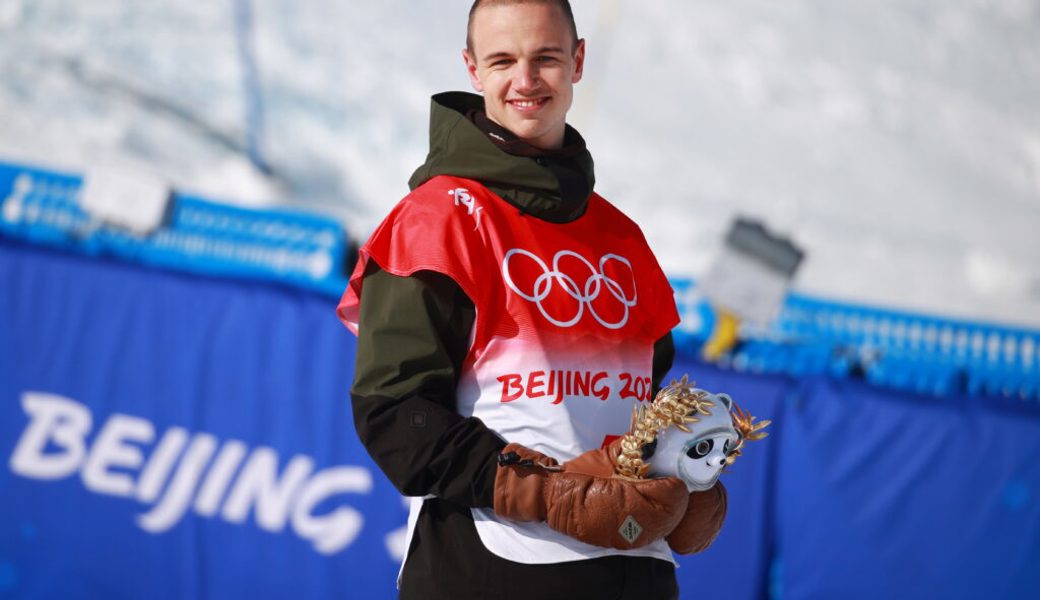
<point x="526" y="76"/>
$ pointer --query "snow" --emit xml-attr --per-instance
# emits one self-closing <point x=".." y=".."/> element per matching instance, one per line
<point x="897" y="143"/>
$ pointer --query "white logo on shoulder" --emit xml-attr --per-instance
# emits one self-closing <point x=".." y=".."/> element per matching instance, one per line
<point x="545" y="282"/>
<point x="464" y="198"/>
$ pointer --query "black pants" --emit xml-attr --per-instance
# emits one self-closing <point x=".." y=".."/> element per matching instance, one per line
<point x="447" y="560"/>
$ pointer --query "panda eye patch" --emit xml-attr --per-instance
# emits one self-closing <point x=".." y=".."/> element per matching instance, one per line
<point x="700" y="449"/>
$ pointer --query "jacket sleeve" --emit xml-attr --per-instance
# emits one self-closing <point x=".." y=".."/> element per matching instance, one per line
<point x="413" y="334"/>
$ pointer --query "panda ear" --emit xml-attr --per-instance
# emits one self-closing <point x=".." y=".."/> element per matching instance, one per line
<point x="649" y="450"/>
<point x="726" y="400"/>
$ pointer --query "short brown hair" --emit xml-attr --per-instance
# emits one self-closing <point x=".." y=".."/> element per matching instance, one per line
<point x="563" y="5"/>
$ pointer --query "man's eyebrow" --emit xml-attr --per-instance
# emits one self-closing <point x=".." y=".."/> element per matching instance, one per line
<point x="495" y="55"/>
<point x="542" y="50"/>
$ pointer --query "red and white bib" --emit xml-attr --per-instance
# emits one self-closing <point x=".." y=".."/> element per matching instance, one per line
<point x="566" y="318"/>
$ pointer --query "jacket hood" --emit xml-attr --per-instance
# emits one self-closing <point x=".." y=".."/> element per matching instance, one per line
<point x="458" y="147"/>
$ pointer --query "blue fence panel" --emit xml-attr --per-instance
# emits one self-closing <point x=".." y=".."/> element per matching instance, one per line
<point x="893" y="349"/>
<point x="172" y="436"/>
<point x="200" y="236"/>
<point x="883" y="494"/>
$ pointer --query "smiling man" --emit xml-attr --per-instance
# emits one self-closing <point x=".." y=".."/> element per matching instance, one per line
<point x="509" y="319"/>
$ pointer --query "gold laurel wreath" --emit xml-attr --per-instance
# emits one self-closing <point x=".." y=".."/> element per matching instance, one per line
<point x="747" y="429"/>
<point x="676" y="406"/>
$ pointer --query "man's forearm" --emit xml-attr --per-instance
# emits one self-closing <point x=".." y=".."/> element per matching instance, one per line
<point x="413" y="337"/>
<point x="425" y="449"/>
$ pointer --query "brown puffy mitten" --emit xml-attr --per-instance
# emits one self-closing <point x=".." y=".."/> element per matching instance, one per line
<point x="702" y="522"/>
<point x="584" y="499"/>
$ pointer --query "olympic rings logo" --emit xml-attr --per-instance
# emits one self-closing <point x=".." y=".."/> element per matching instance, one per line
<point x="584" y="294"/>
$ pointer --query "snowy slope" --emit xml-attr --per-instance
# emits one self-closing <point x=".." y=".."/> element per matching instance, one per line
<point x="897" y="142"/>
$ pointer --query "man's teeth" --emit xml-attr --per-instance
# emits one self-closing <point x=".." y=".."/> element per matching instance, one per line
<point x="526" y="103"/>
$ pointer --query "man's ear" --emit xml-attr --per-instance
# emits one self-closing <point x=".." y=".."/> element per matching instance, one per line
<point x="471" y="68"/>
<point x="579" y="61"/>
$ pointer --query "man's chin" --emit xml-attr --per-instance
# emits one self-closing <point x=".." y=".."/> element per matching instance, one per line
<point x="534" y="133"/>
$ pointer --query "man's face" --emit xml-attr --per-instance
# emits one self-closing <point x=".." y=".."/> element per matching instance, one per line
<point x="525" y="63"/>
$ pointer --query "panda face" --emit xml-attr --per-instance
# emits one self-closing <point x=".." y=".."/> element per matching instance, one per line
<point x="698" y="456"/>
<point x="704" y="456"/>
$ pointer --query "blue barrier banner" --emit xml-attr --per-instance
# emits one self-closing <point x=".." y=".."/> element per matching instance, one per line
<point x="174" y="435"/>
<point x="882" y="494"/>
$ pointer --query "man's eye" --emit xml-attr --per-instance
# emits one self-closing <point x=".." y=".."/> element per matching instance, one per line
<point x="700" y="449"/>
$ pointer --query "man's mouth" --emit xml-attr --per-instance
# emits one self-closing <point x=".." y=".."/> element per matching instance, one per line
<point x="528" y="103"/>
